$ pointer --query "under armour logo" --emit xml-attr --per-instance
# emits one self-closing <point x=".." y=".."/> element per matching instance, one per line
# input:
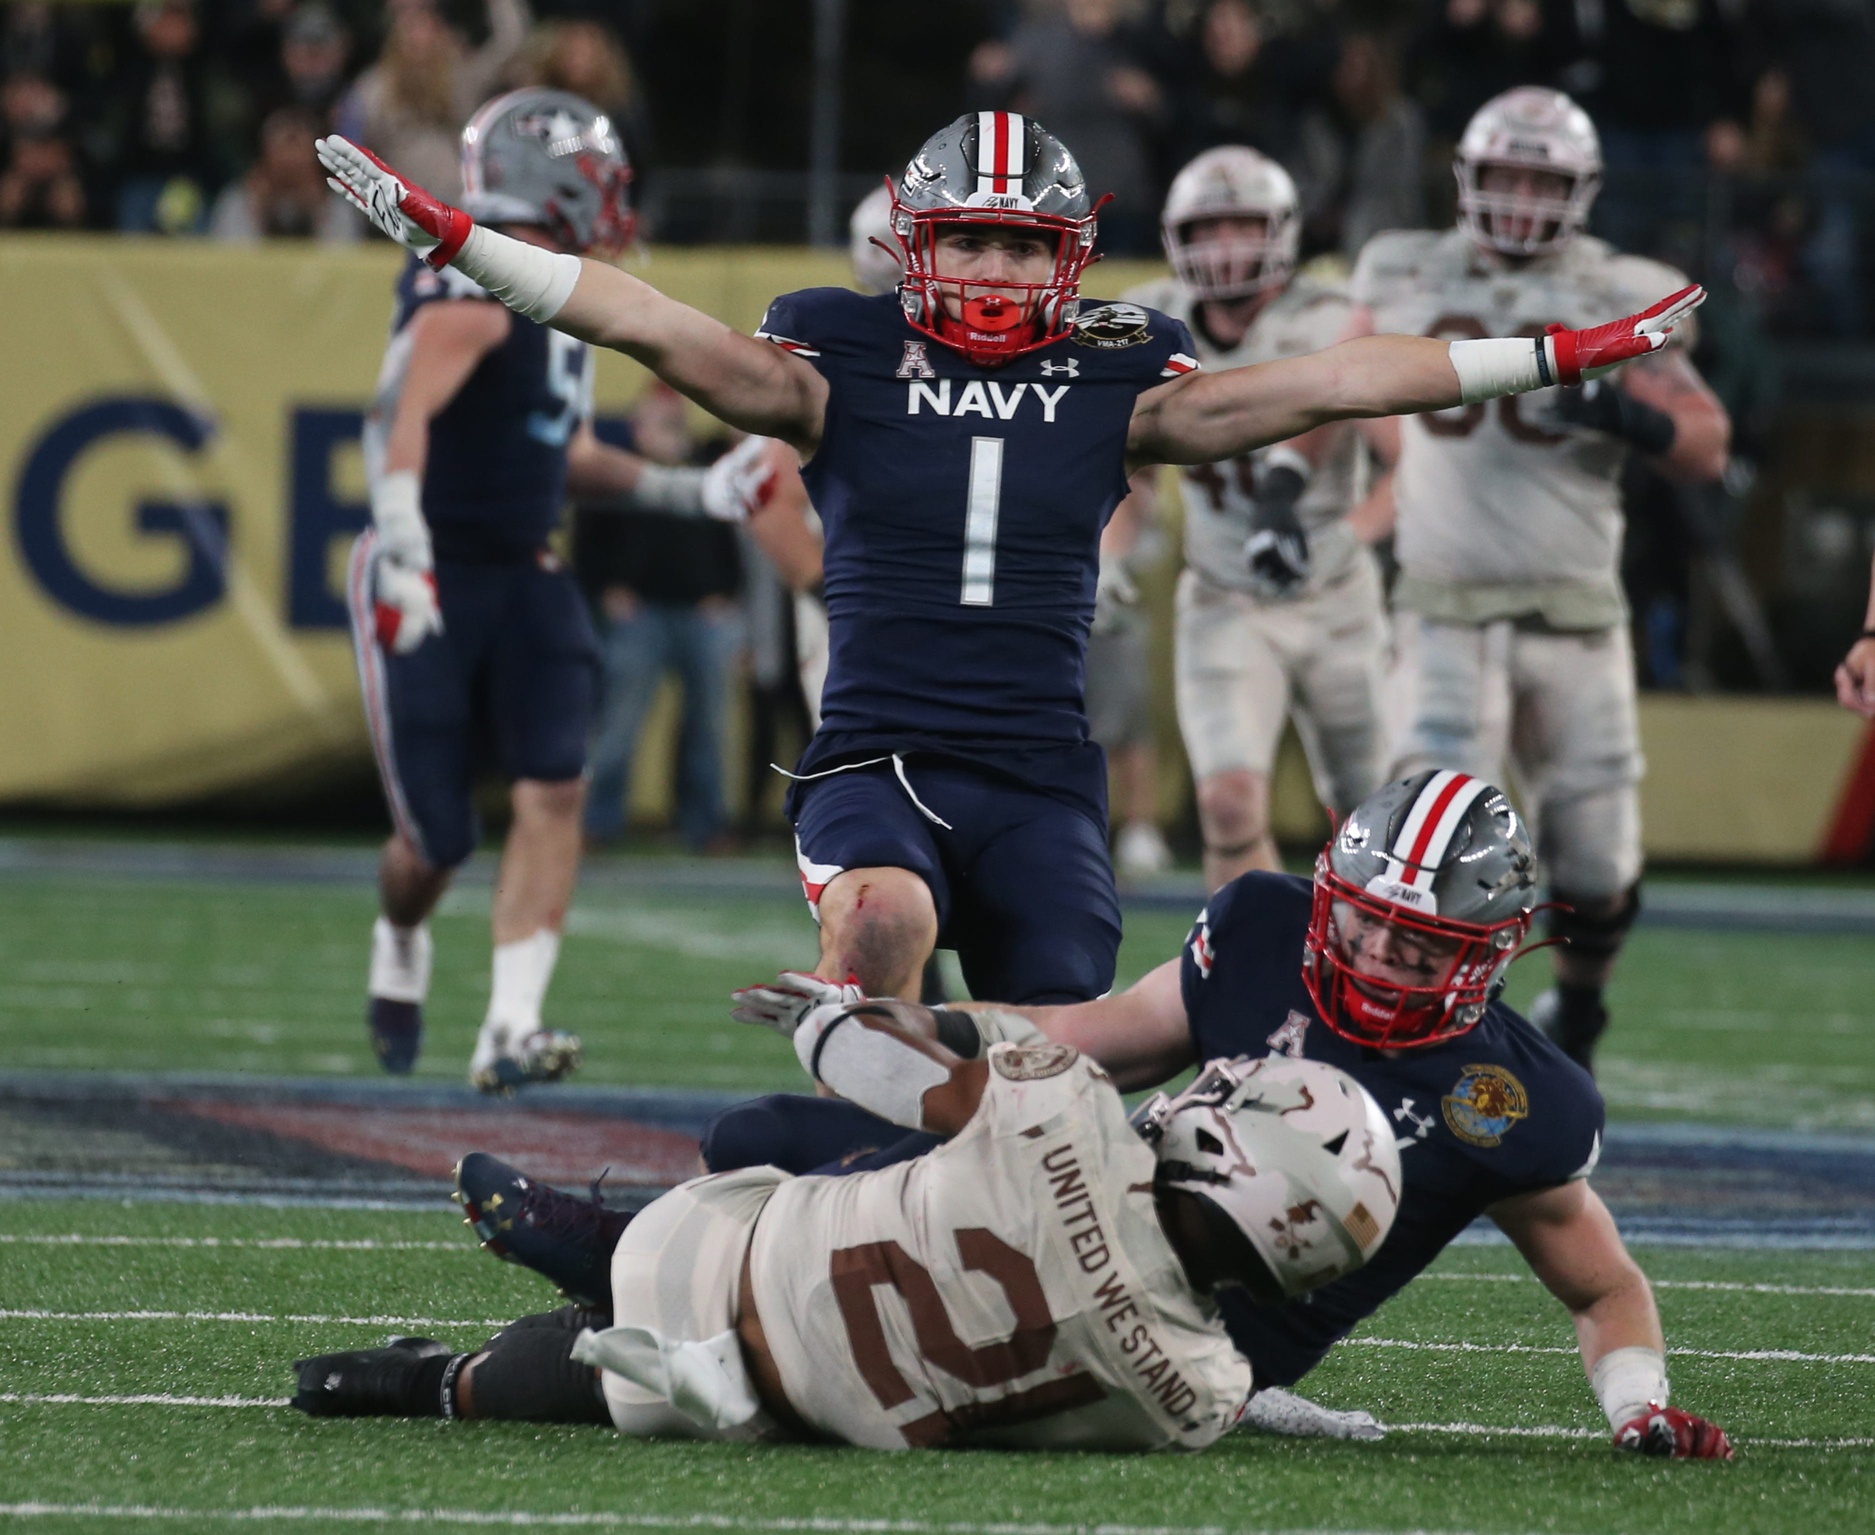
<point x="1071" y="367"/>
<point x="914" y="364"/>
<point x="1422" y="1124"/>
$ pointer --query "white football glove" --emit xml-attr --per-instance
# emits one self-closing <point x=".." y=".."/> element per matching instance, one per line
<point x="422" y="224"/>
<point x="1276" y="1411"/>
<point x="403" y="582"/>
<point x="789" y="998"/>
<point x="739" y="483"/>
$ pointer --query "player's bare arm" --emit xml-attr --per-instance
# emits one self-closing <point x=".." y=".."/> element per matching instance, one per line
<point x="782" y="530"/>
<point x="1139" y="1036"/>
<point x="1702" y="430"/>
<point x="1201" y="418"/>
<point x="1855" y="678"/>
<point x="751" y="385"/>
<point x="1569" y="1240"/>
<point x="448" y="341"/>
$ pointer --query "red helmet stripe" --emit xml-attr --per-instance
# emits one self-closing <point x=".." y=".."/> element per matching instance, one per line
<point x="1429" y="826"/>
<point x="1002" y="151"/>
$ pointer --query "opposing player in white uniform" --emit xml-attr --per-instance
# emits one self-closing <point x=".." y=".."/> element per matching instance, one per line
<point x="1511" y="630"/>
<point x="1279" y="607"/>
<point x="1041" y="1280"/>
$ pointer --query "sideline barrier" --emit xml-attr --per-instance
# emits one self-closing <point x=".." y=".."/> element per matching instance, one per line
<point x="178" y="433"/>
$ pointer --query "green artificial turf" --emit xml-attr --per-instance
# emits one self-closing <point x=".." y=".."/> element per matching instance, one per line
<point x="1767" y="1029"/>
<point x="199" y="1462"/>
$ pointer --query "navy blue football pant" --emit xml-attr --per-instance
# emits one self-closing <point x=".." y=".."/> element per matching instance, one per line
<point x="1021" y="879"/>
<point x="511" y="683"/>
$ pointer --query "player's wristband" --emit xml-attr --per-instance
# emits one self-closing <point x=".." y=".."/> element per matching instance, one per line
<point x="1495" y="366"/>
<point x="530" y="281"/>
<point x="661" y="488"/>
<point x="397" y="514"/>
<point x="1627" y="1380"/>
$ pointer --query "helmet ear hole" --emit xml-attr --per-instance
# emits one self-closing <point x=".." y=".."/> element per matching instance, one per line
<point x="1333" y="1148"/>
<point x="1209" y="1144"/>
<point x="1233" y="1258"/>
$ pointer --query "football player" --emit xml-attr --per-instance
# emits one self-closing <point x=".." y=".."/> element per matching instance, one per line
<point x="1511" y="629"/>
<point x="466" y="627"/>
<point x="749" y="1305"/>
<point x="965" y="439"/>
<point x="1387" y="965"/>
<point x="1279" y="607"/>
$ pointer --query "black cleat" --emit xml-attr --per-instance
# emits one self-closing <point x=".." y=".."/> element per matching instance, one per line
<point x="396" y="1033"/>
<point x="371" y="1382"/>
<point x="563" y="1238"/>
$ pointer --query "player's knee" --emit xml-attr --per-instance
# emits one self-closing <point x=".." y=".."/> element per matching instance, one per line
<point x="745" y="1135"/>
<point x="538" y="800"/>
<point x="792" y="1132"/>
<point x="878" y="922"/>
<point x="1233" y="808"/>
<point x="1592" y="928"/>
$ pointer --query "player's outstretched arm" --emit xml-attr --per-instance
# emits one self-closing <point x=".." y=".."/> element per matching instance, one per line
<point x="1569" y="1240"/>
<point x="885" y="1055"/>
<point x="759" y="388"/>
<point x="1202" y="417"/>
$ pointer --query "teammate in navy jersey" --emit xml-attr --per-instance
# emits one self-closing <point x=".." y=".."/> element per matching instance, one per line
<point x="1387" y="966"/>
<point x="470" y="637"/>
<point x="964" y="442"/>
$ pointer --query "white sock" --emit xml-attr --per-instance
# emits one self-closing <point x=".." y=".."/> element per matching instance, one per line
<point x="400" y="961"/>
<point x="522" y="972"/>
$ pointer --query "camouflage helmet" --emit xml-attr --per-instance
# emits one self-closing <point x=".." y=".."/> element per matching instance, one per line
<point x="999" y="170"/>
<point x="1528" y="128"/>
<point x="551" y="159"/>
<point x="1422" y="899"/>
<point x="1235" y="182"/>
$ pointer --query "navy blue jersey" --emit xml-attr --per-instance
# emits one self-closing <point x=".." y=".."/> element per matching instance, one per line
<point x="495" y="477"/>
<point x="1496" y="1112"/>
<point x="962" y="507"/>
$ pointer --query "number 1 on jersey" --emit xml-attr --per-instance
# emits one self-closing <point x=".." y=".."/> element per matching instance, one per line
<point x="984" y="501"/>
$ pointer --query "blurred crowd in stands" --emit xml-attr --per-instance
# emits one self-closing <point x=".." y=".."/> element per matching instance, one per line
<point x="1740" y="131"/>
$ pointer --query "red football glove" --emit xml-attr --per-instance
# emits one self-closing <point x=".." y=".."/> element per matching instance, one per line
<point x="1672" y="1434"/>
<point x="408" y="214"/>
<point x="1576" y="355"/>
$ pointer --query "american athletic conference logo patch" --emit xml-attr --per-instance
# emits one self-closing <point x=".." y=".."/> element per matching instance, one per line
<point x="1485" y="1104"/>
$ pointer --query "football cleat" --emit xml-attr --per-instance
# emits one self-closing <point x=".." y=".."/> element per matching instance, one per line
<point x="563" y="1238"/>
<point x="396" y="1033"/>
<point x="546" y="1055"/>
<point x="369" y="1382"/>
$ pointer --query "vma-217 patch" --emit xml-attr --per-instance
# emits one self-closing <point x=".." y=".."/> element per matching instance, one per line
<point x="1485" y="1104"/>
<point x="1032" y="1063"/>
<point x="1112" y="326"/>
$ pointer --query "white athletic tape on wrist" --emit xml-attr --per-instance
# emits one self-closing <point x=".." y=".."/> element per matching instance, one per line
<point x="662" y="488"/>
<point x="530" y="281"/>
<point x="878" y="1070"/>
<point x="1626" y="1380"/>
<point x="397" y="514"/>
<point x="1497" y="366"/>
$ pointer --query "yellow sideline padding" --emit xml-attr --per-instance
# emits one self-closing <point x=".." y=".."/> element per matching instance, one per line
<point x="163" y="399"/>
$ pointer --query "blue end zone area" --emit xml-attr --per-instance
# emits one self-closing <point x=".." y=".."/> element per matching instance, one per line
<point x="308" y="1141"/>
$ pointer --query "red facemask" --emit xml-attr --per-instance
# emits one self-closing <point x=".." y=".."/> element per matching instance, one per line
<point x="991" y="327"/>
<point x="1461" y="962"/>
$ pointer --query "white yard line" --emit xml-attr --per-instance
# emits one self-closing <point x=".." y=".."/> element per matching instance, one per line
<point x="1777" y="1354"/>
<point x="1733" y="1286"/>
<point x="29" y="1314"/>
<point x="268" y="1244"/>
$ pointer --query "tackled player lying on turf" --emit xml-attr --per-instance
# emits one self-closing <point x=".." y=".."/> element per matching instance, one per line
<point x="966" y="439"/>
<point x="1387" y="967"/>
<point x="748" y="1305"/>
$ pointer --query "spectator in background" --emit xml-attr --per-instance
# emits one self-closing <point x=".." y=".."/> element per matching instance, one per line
<point x="283" y="194"/>
<point x="1084" y="72"/>
<point x="310" y="68"/>
<point x="163" y="149"/>
<point x="411" y="105"/>
<point x="1464" y="52"/>
<point x="1360" y="165"/>
<point x="1669" y="83"/>
<point x="665" y="592"/>
<point x="40" y="187"/>
<point x="1249" y="84"/>
<point x="1827" y="49"/>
